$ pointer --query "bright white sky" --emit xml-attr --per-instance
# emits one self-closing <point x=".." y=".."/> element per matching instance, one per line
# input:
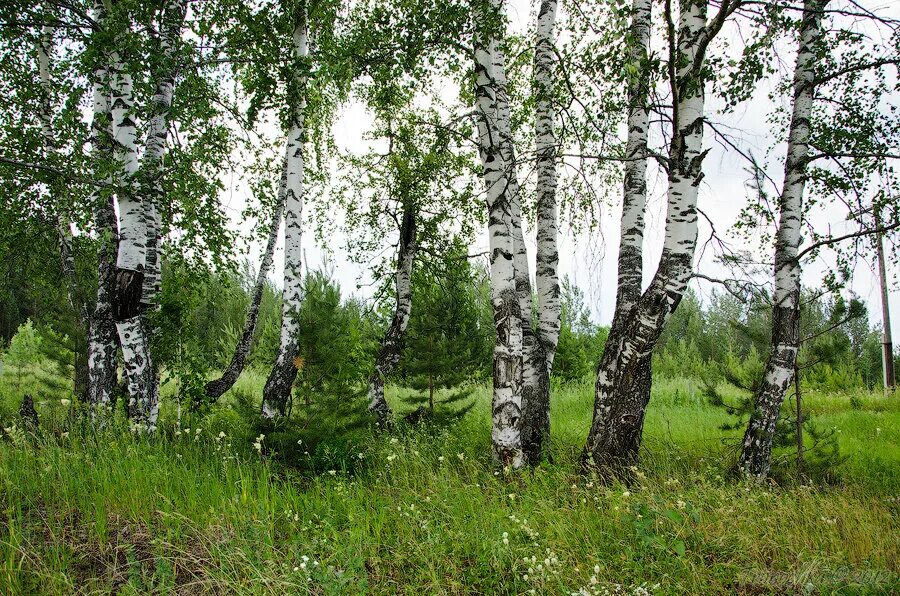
<point x="590" y="260"/>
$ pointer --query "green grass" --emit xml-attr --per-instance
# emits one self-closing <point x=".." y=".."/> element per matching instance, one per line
<point x="422" y="511"/>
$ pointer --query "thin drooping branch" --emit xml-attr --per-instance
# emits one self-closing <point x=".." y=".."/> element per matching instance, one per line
<point x="217" y="387"/>
<point x="63" y="226"/>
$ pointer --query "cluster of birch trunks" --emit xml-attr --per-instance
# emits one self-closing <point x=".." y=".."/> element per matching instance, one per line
<point x="129" y="263"/>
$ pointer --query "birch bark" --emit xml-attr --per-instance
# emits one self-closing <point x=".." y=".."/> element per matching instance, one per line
<point x="392" y="344"/>
<point x="756" y="452"/>
<point x="622" y="389"/>
<point x="535" y="419"/>
<point x="155" y="147"/>
<point x="138" y="215"/>
<point x="102" y="336"/>
<point x="506" y="402"/>
<point x="216" y="388"/>
<point x="547" y="261"/>
<point x="278" y="385"/>
<point x="634" y="201"/>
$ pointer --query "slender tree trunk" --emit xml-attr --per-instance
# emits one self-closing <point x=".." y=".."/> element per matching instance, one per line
<point x="535" y="419"/>
<point x="138" y="228"/>
<point x="102" y="337"/>
<point x="64" y="232"/>
<point x="634" y="196"/>
<point x="140" y="379"/>
<point x="278" y="386"/>
<point x="887" y="344"/>
<point x="216" y="388"/>
<point x="801" y="464"/>
<point x="172" y="23"/>
<point x="756" y="453"/>
<point x="431" y="393"/>
<point x="547" y="261"/>
<point x="622" y="390"/>
<point x="392" y="344"/>
<point x="506" y="403"/>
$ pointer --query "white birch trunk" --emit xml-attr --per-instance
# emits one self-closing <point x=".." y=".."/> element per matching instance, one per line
<point x="281" y="379"/>
<point x="634" y="197"/>
<point x="155" y="147"/>
<point x="140" y="376"/>
<point x="216" y="388"/>
<point x="622" y="389"/>
<point x="506" y="403"/>
<point x="392" y="344"/>
<point x="547" y="261"/>
<point x="102" y="337"/>
<point x="756" y="453"/>
<point x="535" y="420"/>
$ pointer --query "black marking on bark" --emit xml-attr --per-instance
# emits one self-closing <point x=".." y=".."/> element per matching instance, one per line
<point x="126" y="300"/>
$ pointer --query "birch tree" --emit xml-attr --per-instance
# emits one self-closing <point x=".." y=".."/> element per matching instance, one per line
<point x="840" y="138"/>
<point x="622" y="389"/>
<point x="547" y="261"/>
<point x="152" y="166"/>
<point x="418" y="193"/>
<point x="217" y="387"/>
<point x="539" y="343"/>
<point x="506" y="402"/>
<point x="102" y="335"/>
<point x="392" y="344"/>
<point x="138" y="218"/>
<point x="281" y="378"/>
<point x="535" y="420"/>
<point x="785" y="343"/>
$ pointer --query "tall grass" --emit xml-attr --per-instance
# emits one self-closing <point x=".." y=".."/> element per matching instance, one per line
<point x="422" y="510"/>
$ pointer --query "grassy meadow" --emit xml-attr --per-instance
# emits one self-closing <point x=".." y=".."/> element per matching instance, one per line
<point x="206" y="507"/>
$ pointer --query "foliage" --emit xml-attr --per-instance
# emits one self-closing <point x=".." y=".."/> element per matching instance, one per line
<point x="580" y="340"/>
<point x="446" y="341"/>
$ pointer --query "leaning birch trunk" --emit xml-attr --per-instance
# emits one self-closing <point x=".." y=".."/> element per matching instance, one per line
<point x="547" y="261"/>
<point x="63" y="226"/>
<point x="634" y="196"/>
<point x="155" y="148"/>
<point x="506" y="401"/>
<point x="102" y="335"/>
<point x="622" y="389"/>
<point x="281" y="379"/>
<point x="756" y="453"/>
<point x="392" y="344"/>
<point x="216" y="388"/>
<point x="535" y="420"/>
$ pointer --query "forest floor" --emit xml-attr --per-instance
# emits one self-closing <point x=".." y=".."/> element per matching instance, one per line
<point x="422" y="511"/>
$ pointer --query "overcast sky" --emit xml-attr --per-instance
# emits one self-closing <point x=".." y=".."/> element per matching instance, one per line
<point x="589" y="259"/>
